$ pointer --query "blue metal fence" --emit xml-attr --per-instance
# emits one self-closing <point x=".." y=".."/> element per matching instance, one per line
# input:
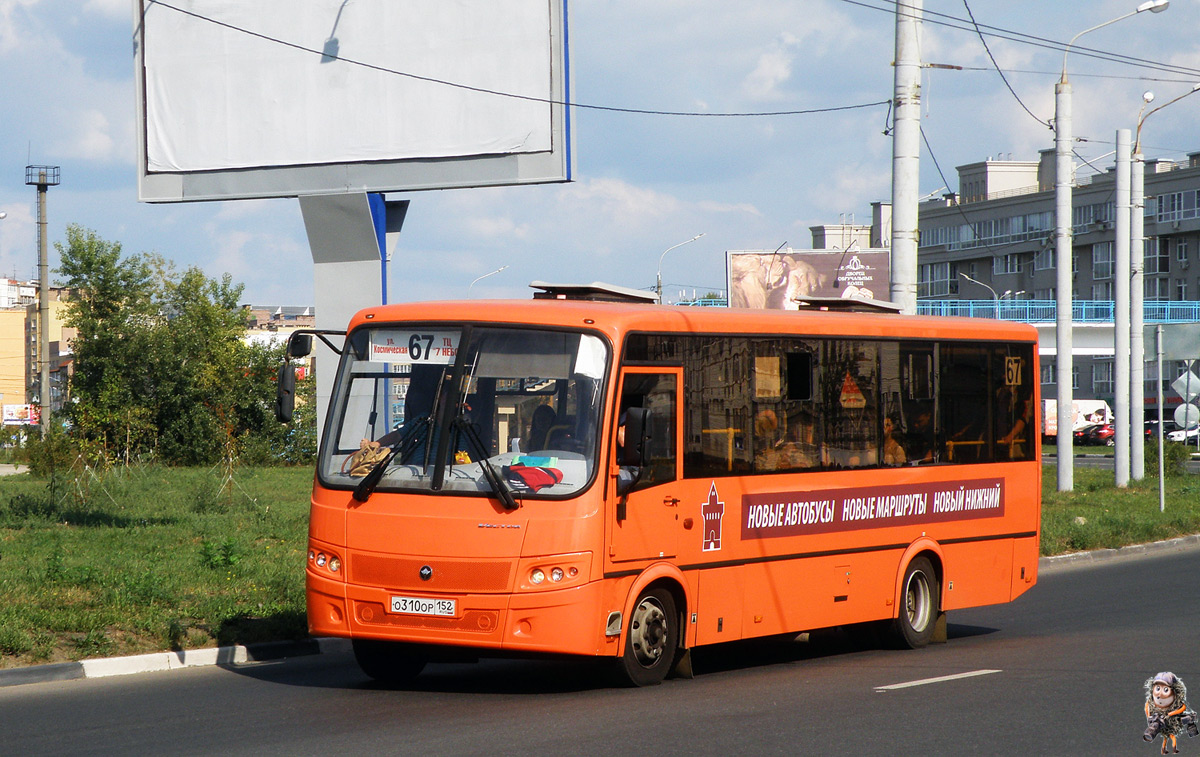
<point x="1037" y="311"/>
<point x="1033" y="311"/>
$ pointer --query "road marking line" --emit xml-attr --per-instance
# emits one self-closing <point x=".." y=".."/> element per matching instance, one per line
<point x="939" y="679"/>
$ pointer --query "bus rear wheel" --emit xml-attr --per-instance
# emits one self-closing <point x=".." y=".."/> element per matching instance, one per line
<point x="915" y="623"/>
<point x="652" y="639"/>
<point x="388" y="662"/>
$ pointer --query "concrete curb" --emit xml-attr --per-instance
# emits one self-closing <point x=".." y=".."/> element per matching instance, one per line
<point x="158" y="661"/>
<point x="1133" y="550"/>
<point x="278" y="650"/>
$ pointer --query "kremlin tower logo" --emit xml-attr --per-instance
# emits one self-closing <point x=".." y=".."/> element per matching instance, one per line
<point x="713" y="511"/>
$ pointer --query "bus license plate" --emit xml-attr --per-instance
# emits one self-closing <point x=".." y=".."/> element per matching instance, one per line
<point x="418" y="606"/>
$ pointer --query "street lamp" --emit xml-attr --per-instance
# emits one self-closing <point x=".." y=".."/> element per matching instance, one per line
<point x="484" y="276"/>
<point x="1137" y="344"/>
<point x="995" y="297"/>
<point x="1064" y="169"/>
<point x="658" y="276"/>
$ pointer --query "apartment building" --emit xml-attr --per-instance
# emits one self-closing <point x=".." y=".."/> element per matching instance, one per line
<point x="993" y="242"/>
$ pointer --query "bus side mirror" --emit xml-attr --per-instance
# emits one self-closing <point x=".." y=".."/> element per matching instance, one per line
<point x="299" y="345"/>
<point x="285" y="392"/>
<point x="637" y="437"/>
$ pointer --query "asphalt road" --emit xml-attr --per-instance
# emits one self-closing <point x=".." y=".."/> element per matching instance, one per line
<point x="1100" y="460"/>
<point x="1068" y="662"/>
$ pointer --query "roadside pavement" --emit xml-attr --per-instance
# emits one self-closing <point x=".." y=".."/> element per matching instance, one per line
<point x="239" y="655"/>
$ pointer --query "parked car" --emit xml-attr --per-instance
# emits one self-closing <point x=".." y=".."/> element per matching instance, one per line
<point x="1151" y="430"/>
<point x="1181" y="435"/>
<point x="1103" y="434"/>
<point x="1099" y="433"/>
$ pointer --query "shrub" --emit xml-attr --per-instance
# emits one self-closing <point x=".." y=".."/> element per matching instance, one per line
<point x="1175" y="458"/>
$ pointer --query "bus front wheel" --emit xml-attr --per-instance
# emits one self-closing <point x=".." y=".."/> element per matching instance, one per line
<point x="914" y="625"/>
<point x="388" y="662"/>
<point x="651" y="640"/>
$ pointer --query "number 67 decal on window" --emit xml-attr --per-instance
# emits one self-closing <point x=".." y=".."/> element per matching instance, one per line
<point x="427" y="346"/>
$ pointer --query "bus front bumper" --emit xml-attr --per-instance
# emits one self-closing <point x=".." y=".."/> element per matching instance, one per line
<point x="556" y="621"/>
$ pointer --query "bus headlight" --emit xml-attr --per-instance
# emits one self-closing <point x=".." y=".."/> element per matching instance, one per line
<point x="554" y="572"/>
<point x="322" y="561"/>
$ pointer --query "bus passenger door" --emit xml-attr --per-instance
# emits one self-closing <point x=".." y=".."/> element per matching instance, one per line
<point x="646" y="526"/>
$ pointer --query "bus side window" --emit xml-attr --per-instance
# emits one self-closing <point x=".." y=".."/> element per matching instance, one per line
<point x="656" y="393"/>
<point x="963" y="380"/>
<point x="1012" y="374"/>
<point x="850" y="403"/>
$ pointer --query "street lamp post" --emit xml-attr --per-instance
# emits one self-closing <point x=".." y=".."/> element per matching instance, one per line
<point x="995" y="297"/>
<point x="658" y="276"/>
<point x="1137" y="344"/>
<point x="1064" y="168"/>
<point x="484" y="276"/>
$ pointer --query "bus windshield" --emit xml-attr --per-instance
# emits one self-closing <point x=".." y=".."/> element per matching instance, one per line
<point x="452" y="401"/>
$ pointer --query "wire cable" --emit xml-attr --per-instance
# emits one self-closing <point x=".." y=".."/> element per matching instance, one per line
<point x="512" y="95"/>
<point x="988" y="50"/>
<point x="961" y="24"/>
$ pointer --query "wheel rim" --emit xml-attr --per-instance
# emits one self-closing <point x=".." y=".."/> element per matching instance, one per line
<point x="648" y="632"/>
<point x="917" y="602"/>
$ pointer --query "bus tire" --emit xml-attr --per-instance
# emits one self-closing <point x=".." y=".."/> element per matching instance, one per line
<point x="388" y="662"/>
<point x="919" y="602"/>
<point x="651" y="640"/>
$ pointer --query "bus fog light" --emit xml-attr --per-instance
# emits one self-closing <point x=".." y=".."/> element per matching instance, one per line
<point x="556" y="574"/>
<point x="537" y="576"/>
<point x="573" y="572"/>
<point x="312" y="555"/>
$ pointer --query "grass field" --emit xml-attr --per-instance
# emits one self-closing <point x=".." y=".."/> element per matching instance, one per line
<point x="147" y="558"/>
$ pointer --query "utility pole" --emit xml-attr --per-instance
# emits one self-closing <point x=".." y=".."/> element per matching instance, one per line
<point x="1121" y="276"/>
<point x="906" y="155"/>
<point x="1064" y="178"/>
<point x="43" y="177"/>
<point x="1137" y="343"/>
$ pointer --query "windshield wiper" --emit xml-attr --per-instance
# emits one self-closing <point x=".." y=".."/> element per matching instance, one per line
<point x="498" y="484"/>
<point x="403" y="447"/>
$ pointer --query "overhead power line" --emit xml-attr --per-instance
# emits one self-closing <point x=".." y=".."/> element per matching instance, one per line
<point x="512" y="95"/>
<point x="953" y="22"/>
<point x="999" y="70"/>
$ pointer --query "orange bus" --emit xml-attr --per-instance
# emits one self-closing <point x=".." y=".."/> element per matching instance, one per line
<point x="632" y="481"/>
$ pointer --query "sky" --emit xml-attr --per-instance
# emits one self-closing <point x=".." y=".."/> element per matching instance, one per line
<point x="643" y="183"/>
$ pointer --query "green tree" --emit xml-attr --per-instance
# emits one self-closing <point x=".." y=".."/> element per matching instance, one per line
<point x="111" y="306"/>
<point x="160" y="363"/>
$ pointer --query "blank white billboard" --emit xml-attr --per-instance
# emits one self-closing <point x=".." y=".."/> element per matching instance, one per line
<point x="290" y="97"/>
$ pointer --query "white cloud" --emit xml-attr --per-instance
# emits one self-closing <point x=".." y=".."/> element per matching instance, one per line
<point x="111" y="8"/>
<point x="724" y="207"/>
<point x="497" y="227"/>
<point x="89" y="139"/>
<point x="774" y="69"/>
<point x="617" y="201"/>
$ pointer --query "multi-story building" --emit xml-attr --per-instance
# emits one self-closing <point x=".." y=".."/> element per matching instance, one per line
<point x="17" y="294"/>
<point x="59" y="354"/>
<point x="278" y="317"/>
<point x="989" y="250"/>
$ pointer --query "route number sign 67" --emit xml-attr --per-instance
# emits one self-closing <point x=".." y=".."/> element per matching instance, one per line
<point x="413" y="346"/>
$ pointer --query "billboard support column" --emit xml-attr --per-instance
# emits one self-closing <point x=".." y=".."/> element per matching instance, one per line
<point x="349" y="236"/>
